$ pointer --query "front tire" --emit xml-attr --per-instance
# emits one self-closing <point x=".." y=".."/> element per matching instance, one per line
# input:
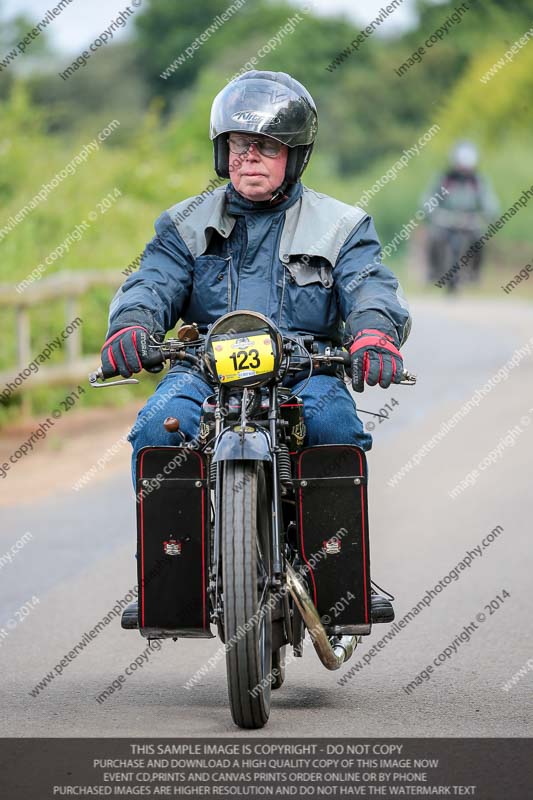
<point x="278" y="668"/>
<point x="246" y="573"/>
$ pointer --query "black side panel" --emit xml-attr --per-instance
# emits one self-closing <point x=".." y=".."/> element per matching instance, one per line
<point x="172" y="547"/>
<point x="333" y="531"/>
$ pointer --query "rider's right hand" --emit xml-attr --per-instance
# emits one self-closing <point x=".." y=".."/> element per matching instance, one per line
<point x="127" y="351"/>
<point x="375" y="359"/>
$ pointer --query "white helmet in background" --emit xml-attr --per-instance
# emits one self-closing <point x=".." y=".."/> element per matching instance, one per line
<point x="464" y="156"/>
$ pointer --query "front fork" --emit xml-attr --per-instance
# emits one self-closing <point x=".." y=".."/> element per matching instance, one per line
<point x="277" y="514"/>
<point x="215" y="588"/>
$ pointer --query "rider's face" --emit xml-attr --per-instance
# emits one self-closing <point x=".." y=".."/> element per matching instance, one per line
<point x="255" y="175"/>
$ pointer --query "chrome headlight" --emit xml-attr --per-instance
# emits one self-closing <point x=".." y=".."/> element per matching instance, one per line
<point x="243" y="348"/>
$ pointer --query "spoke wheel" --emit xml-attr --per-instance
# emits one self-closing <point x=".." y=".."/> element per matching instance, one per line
<point x="278" y="667"/>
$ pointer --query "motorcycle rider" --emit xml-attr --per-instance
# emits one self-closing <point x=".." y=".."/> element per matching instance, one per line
<point x="469" y="205"/>
<point x="267" y="243"/>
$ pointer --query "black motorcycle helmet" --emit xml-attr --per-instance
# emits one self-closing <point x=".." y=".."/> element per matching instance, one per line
<point x="270" y="103"/>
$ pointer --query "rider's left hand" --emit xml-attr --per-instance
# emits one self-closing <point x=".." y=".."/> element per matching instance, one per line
<point x="375" y="358"/>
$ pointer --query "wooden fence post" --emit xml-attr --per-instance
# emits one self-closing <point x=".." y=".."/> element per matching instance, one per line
<point x="66" y="286"/>
<point x="73" y="347"/>
<point x="23" y="350"/>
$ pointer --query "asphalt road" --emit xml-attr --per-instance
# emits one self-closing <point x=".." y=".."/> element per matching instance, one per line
<point x="80" y="560"/>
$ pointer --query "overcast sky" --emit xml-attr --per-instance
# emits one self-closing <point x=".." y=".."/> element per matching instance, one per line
<point x="83" y="20"/>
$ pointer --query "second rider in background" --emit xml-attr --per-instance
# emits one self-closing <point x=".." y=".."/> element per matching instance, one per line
<point x="463" y="213"/>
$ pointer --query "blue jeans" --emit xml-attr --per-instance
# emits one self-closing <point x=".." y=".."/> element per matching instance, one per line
<point x="330" y="413"/>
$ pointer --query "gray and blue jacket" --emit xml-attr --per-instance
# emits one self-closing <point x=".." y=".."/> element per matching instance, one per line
<point x="310" y="263"/>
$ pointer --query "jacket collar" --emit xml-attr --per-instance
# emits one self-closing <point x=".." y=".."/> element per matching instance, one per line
<point x="237" y="204"/>
<point x="228" y="204"/>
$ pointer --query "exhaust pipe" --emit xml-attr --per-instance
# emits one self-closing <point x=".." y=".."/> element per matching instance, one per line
<point x="331" y="655"/>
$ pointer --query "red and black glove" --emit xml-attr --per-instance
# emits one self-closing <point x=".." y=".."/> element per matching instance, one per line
<point x="375" y="358"/>
<point x="127" y="351"/>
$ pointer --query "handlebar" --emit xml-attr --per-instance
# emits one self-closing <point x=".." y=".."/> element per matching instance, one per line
<point x="341" y="356"/>
<point x="175" y="349"/>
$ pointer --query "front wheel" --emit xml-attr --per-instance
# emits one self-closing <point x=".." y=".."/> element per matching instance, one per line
<point x="278" y="668"/>
<point x="246" y="573"/>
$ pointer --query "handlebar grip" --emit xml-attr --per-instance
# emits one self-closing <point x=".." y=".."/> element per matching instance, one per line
<point x="155" y="361"/>
<point x="407" y="378"/>
<point x="104" y="373"/>
<point x="135" y="349"/>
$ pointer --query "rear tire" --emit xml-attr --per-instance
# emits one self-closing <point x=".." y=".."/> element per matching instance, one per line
<point x="246" y="567"/>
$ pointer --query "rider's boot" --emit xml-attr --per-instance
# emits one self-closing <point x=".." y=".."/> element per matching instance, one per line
<point x="382" y="609"/>
<point x="129" y="616"/>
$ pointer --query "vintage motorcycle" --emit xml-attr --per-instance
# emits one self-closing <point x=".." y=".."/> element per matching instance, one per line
<point x="243" y="527"/>
<point x="452" y="234"/>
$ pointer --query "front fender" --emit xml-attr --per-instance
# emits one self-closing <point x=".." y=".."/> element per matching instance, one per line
<point x="254" y="446"/>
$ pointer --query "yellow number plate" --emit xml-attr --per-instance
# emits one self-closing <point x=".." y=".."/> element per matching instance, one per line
<point x="243" y="357"/>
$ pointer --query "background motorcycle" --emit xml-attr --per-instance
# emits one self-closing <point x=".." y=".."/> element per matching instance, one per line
<point x="451" y="235"/>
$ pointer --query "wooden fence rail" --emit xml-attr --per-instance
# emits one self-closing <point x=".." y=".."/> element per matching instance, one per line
<point x="69" y="286"/>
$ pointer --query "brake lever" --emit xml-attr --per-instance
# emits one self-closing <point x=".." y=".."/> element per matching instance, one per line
<point x="408" y="378"/>
<point x="97" y="380"/>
